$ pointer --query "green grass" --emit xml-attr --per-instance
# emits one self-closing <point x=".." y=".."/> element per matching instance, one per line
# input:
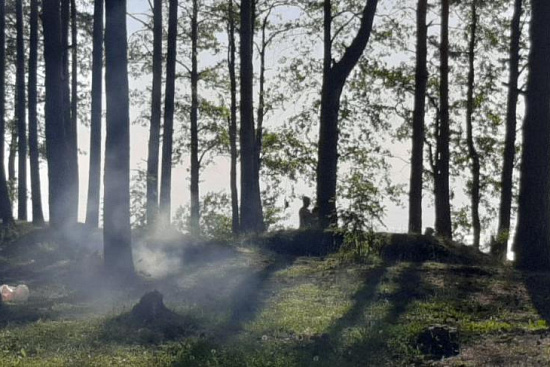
<point x="253" y="308"/>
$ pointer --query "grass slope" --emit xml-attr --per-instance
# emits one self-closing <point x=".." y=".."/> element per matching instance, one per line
<point x="253" y="307"/>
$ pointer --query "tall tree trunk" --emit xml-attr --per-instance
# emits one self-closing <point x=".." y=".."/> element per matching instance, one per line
<point x="94" y="178"/>
<point x="251" y="206"/>
<point x="532" y="241"/>
<point x="37" y="214"/>
<point x="443" y="224"/>
<point x="421" y="81"/>
<point x="154" y="132"/>
<point x="70" y="127"/>
<point x="12" y="153"/>
<point x="261" y="102"/>
<point x="195" y="210"/>
<point x="235" y="225"/>
<point x="335" y="75"/>
<point x="6" y="213"/>
<point x="116" y="231"/>
<point x="73" y="128"/>
<point x="55" y="129"/>
<point x="21" y="116"/>
<point x="472" y="151"/>
<point x="500" y="247"/>
<point x="166" y="178"/>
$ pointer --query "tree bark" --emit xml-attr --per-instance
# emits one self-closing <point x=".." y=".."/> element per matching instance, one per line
<point x="443" y="224"/>
<point x="251" y="205"/>
<point x="335" y="75"/>
<point x="12" y="153"/>
<point x="70" y="129"/>
<point x="21" y="116"/>
<point x="116" y="232"/>
<point x="73" y="127"/>
<point x="55" y="129"/>
<point x="532" y="241"/>
<point x="421" y="81"/>
<point x="94" y="178"/>
<point x="509" y="156"/>
<point x="166" y="177"/>
<point x="6" y="213"/>
<point x="154" y="132"/>
<point x="37" y="213"/>
<point x="195" y="210"/>
<point x="472" y="151"/>
<point x="235" y="224"/>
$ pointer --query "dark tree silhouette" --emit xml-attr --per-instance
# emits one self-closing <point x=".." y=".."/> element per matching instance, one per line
<point x="36" y="194"/>
<point x="55" y="129"/>
<point x="421" y="81"/>
<point x="116" y="232"/>
<point x="510" y="140"/>
<point x="443" y="224"/>
<point x="168" y="132"/>
<point x="235" y="224"/>
<point x="251" y="205"/>
<point x="94" y="178"/>
<point x="21" y="116"/>
<point x="6" y="213"/>
<point x="70" y="125"/>
<point x="472" y="151"/>
<point x="532" y="241"/>
<point x="335" y="74"/>
<point x="154" y="131"/>
<point x="195" y="164"/>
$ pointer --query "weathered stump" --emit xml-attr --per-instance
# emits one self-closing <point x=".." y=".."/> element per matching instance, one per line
<point x="151" y="308"/>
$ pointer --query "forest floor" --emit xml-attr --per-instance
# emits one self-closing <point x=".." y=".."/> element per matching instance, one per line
<point x="245" y="306"/>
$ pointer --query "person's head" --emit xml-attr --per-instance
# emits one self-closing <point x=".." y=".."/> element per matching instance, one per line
<point x="306" y="200"/>
<point x="315" y="210"/>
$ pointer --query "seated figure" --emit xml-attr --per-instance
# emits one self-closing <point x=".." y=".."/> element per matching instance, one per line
<point x="305" y="215"/>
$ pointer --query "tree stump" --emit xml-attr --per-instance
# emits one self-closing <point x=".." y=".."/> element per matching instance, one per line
<point x="151" y="309"/>
<point x="439" y="342"/>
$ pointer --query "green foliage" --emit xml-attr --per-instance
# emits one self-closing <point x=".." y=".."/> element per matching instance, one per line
<point x="215" y="221"/>
<point x="138" y="198"/>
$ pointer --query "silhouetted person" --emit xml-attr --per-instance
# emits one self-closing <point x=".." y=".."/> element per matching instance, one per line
<point x="305" y="214"/>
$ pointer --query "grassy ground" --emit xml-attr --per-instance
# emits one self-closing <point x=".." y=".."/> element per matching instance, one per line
<point x="251" y="307"/>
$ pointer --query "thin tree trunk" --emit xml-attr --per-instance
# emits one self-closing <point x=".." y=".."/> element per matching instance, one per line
<point x="334" y="78"/>
<point x="261" y="103"/>
<point x="70" y="129"/>
<point x="500" y="247"/>
<point x="73" y="128"/>
<point x="235" y="225"/>
<point x="443" y="224"/>
<point x="116" y="231"/>
<point x="166" y="177"/>
<point x="6" y="213"/>
<point x="55" y="129"/>
<point x="21" y="116"/>
<point x="421" y="81"/>
<point x="94" y="179"/>
<point x="472" y="151"/>
<point x="37" y="214"/>
<point x="195" y="210"/>
<point x="12" y="154"/>
<point x="251" y="207"/>
<point x="154" y="132"/>
<point x="532" y="241"/>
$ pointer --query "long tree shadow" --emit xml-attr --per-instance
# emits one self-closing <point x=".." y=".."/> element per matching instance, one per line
<point x="375" y="335"/>
<point x="538" y="287"/>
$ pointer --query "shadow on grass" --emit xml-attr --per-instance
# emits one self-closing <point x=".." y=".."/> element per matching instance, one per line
<point x="373" y="342"/>
<point x="538" y="287"/>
